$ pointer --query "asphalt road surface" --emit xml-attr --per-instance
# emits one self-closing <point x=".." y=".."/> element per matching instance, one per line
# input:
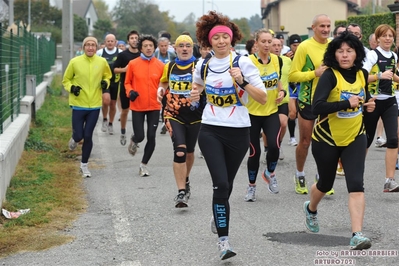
<point x="132" y="221"/>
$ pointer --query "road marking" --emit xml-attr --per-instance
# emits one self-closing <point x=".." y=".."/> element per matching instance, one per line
<point x="119" y="216"/>
<point x="131" y="263"/>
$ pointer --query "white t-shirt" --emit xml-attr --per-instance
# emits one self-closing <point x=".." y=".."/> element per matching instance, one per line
<point x="223" y="107"/>
<point x="285" y="50"/>
<point x="100" y="51"/>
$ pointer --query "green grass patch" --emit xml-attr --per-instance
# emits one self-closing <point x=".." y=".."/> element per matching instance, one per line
<point x="46" y="181"/>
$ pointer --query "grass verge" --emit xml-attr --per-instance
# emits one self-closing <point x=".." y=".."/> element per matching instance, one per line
<point x="45" y="181"/>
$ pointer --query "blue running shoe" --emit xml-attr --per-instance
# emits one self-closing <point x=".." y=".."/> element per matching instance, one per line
<point x="311" y="219"/>
<point x="359" y="242"/>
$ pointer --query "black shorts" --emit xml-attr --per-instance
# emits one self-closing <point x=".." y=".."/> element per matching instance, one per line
<point x="125" y="101"/>
<point x="113" y="90"/>
<point x="283" y="109"/>
<point x="305" y="111"/>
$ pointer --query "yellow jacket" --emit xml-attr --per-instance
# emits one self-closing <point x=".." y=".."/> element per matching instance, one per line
<point x="87" y="73"/>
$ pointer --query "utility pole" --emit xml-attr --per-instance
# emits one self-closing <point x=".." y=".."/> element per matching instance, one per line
<point x="10" y="12"/>
<point x="67" y="33"/>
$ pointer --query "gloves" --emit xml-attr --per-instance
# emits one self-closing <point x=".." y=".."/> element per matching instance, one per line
<point x="133" y="95"/>
<point x="104" y="84"/>
<point x="75" y="90"/>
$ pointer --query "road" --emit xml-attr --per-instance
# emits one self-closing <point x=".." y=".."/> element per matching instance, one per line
<point x="132" y="221"/>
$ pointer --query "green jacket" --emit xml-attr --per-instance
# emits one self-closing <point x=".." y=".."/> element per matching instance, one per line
<point x="87" y="73"/>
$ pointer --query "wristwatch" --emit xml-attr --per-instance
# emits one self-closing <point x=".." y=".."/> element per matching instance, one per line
<point x="243" y="84"/>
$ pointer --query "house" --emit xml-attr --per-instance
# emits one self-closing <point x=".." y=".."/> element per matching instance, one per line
<point x="295" y="16"/>
<point x="84" y="9"/>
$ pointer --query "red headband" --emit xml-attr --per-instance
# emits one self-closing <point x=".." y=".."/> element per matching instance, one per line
<point x="220" y="29"/>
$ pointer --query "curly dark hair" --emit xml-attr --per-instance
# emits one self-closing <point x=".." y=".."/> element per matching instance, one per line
<point x="353" y="42"/>
<point x="212" y="19"/>
<point x="145" y="37"/>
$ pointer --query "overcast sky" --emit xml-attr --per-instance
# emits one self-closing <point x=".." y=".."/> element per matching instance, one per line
<point x="181" y="8"/>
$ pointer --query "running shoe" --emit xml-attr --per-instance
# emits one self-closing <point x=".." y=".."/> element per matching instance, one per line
<point x="300" y="185"/>
<point x="110" y="129"/>
<point x="104" y="126"/>
<point x="123" y="139"/>
<point x="143" y="171"/>
<point x="264" y="161"/>
<point x="213" y="226"/>
<point x="181" y="200"/>
<point x="271" y="180"/>
<point x="340" y="171"/>
<point x="397" y="165"/>
<point x="250" y="197"/>
<point x="72" y="144"/>
<point x="292" y="142"/>
<point x="311" y="219"/>
<point x="188" y="190"/>
<point x="281" y="155"/>
<point x="359" y="242"/>
<point x="163" y="130"/>
<point x="331" y="192"/>
<point x="84" y="170"/>
<point x="132" y="148"/>
<point x="225" y="250"/>
<point x="391" y="186"/>
<point x="380" y="142"/>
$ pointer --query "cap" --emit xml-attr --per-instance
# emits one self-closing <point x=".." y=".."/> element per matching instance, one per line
<point x="166" y="35"/>
<point x="183" y="38"/>
<point x="271" y="31"/>
<point x="280" y="36"/>
<point x="121" y="42"/>
<point x="294" y="38"/>
<point x="90" y="38"/>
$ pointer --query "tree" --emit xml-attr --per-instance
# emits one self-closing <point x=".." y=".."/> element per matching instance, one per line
<point x="102" y="27"/>
<point x="368" y="9"/>
<point x="80" y="29"/>
<point x="242" y="23"/>
<point x="102" y="10"/>
<point x="141" y="16"/>
<point x="255" y="23"/>
<point x="41" y="13"/>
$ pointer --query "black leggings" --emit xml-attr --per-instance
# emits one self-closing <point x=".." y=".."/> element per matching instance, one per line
<point x="271" y="127"/>
<point x="223" y="148"/>
<point x="388" y="111"/>
<point x="138" y="131"/>
<point x="184" y="134"/>
<point x="83" y="124"/>
<point x="352" y="158"/>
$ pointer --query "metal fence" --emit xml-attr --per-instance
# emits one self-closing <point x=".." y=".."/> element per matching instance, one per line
<point x="21" y="53"/>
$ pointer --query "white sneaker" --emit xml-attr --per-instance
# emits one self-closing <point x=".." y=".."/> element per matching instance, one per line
<point x="250" y="197"/>
<point x="72" y="144"/>
<point x="380" y="142"/>
<point x="143" y="171"/>
<point x="225" y="250"/>
<point x="85" y="170"/>
<point x="281" y="155"/>
<point x="292" y="142"/>
<point x="110" y="129"/>
<point x="122" y="139"/>
<point x="264" y="157"/>
<point x="104" y="126"/>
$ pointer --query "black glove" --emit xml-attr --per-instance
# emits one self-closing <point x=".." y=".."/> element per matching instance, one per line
<point x="133" y="95"/>
<point x="104" y="84"/>
<point x="75" y="90"/>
